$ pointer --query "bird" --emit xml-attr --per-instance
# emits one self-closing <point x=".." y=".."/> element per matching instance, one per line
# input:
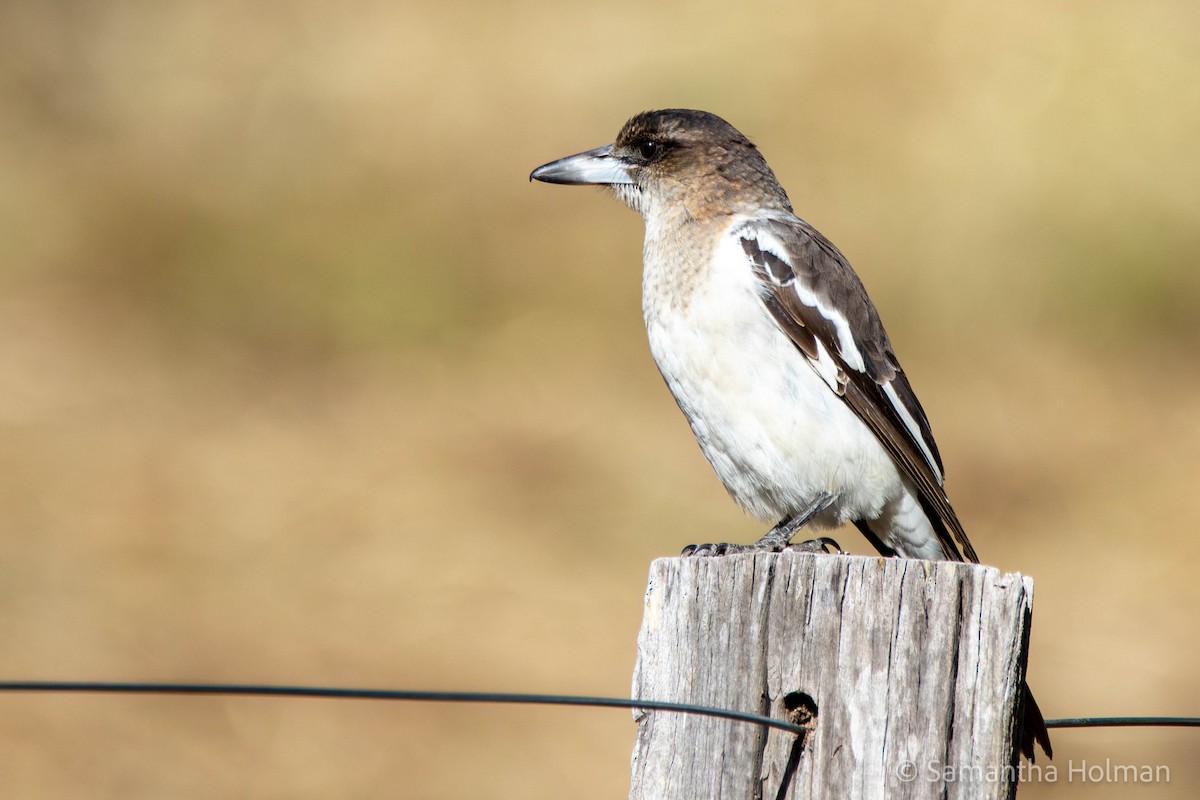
<point x="773" y="350"/>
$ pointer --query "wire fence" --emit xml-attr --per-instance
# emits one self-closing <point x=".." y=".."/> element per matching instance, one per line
<point x="418" y="695"/>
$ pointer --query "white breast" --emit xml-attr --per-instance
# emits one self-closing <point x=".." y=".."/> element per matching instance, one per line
<point x="773" y="430"/>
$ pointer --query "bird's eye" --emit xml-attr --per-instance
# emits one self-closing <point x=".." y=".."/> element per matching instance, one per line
<point x="648" y="150"/>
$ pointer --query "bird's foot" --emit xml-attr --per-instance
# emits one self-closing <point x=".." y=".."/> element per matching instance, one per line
<point x="778" y="538"/>
<point x="717" y="549"/>
<point x="763" y="545"/>
<point x="822" y="544"/>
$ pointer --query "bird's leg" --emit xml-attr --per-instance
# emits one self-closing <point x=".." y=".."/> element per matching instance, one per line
<point x="779" y="537"/>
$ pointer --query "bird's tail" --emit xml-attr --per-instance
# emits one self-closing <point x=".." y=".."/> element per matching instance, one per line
<point x="1033" y="727"/>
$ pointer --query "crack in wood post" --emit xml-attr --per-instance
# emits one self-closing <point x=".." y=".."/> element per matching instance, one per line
<point x="802" y="710"/>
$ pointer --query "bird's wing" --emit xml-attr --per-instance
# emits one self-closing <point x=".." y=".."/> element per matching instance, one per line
<point x="816" y="299"/>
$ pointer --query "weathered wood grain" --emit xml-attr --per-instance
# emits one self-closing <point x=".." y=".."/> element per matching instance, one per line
<point x="915" y="669"/>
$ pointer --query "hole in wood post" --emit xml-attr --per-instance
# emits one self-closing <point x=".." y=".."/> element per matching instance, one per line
<point x="801" y="708"/>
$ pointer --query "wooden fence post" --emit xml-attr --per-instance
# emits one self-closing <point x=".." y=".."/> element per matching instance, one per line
<point x="907" y="673"/>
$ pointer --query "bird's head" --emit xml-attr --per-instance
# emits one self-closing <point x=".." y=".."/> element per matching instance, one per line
<point x="691" y="161"/>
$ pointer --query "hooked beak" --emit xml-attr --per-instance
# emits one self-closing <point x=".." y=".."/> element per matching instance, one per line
<point x="597" y="166"/>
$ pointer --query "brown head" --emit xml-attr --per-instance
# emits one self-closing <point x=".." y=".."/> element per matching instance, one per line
<point x="676" y="160"/>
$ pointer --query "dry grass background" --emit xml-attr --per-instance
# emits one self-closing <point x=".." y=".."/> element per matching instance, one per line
<point x="300" y="381"/>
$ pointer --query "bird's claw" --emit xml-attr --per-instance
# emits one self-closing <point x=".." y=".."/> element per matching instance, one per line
<point x="822" y="545"/>
<point x="717" y="549"/>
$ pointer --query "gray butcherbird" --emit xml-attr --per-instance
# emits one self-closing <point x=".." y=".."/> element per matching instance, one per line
<point x="772" y="349"/>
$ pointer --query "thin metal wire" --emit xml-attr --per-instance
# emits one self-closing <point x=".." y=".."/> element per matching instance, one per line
<point x="1124" y="722"/>
<point x="268" y="690"/>
<point x="390" y="694"/>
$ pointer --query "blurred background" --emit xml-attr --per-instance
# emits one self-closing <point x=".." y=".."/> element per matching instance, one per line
<point x="301" y="381"/>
